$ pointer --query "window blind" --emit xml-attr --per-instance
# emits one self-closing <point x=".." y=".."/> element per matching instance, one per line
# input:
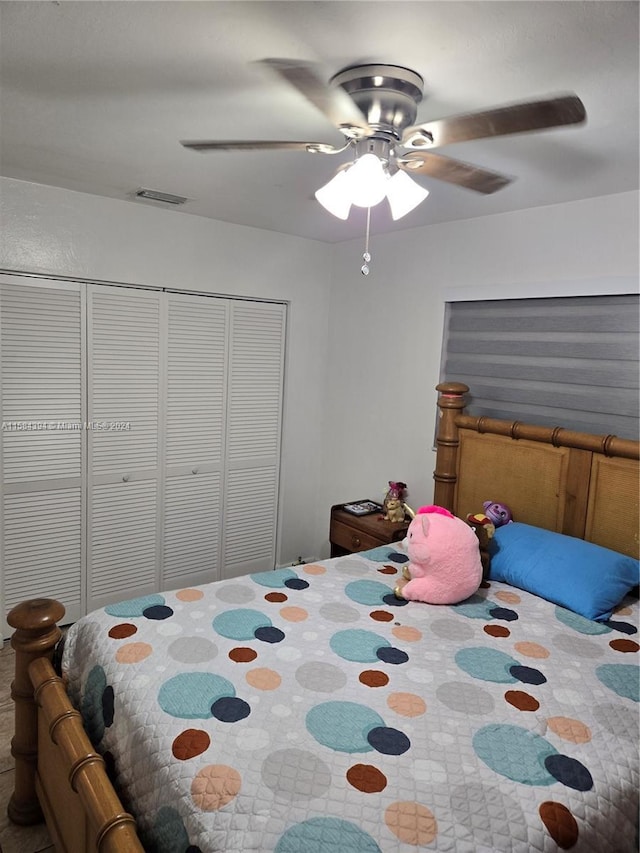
<point x="571" y="361"/>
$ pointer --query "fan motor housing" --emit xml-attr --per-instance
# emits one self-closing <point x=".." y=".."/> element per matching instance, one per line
<point x="387" y="95"/>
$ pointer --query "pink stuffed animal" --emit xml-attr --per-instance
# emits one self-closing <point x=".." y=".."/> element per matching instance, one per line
<point x="444" y="558"/>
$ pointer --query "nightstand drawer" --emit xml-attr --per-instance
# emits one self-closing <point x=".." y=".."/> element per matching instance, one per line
<point x="350" y="538"/>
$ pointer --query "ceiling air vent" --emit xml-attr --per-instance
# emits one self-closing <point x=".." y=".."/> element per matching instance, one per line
<point x="155" y="195"/>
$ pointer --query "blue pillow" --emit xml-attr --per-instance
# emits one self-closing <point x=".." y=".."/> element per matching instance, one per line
<point x="583" y="577"/>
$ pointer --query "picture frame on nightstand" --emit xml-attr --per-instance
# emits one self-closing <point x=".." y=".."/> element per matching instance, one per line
<point x="362" y="507"/>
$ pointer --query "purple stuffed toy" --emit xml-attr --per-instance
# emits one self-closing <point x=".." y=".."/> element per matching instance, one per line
<point x="498" y="513"/>
<point x="444" y="558"/>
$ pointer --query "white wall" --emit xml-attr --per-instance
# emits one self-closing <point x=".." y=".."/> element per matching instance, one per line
<point x="59" y="232"/>
<point x="386" y="329"/>
<point x="364" y="353"/>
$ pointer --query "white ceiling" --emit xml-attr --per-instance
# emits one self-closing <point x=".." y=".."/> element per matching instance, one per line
<point x="96" y="95"/>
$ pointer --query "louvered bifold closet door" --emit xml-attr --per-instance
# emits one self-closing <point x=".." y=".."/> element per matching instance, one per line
<point x="41" y="444"/>
<point x="254" y="415"/>
<point x="125" y="378"/>
<point x="197" y="331"/>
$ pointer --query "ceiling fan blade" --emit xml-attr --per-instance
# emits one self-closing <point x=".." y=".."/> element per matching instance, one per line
<point x="453" y="171"/>
<point x="259" y="145"/>
<point x="516" y="118"/>
<point x="334" y="103"/>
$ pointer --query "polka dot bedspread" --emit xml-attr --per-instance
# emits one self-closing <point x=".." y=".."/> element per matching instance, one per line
<point x="307" y="710"/>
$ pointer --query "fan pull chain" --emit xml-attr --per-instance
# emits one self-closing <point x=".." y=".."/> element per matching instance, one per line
<point x="366" y="257"/>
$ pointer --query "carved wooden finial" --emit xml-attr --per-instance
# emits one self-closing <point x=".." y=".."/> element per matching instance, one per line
<point x="452" y="395"/>
<point x="37" y="614"/>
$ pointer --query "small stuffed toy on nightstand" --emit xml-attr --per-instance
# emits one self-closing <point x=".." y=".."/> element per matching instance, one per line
<point x="394" y="501"/>
<point x="444" y="558"/>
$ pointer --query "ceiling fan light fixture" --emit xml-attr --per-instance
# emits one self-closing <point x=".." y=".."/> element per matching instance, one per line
<point x="367" y="181"/>
<point x="374" y="106"/>
<point x="335" y="196"/>
<point x="404" y="194"/>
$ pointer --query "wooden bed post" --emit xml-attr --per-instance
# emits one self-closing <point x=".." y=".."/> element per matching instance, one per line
<point x="35" y="636"/>
<point x="450" y="402"/>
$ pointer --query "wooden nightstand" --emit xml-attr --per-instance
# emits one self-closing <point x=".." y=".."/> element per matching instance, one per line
<point x="350" y="533"/>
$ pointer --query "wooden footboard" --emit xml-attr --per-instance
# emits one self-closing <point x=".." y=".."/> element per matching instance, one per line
<point x="58" y="775"/>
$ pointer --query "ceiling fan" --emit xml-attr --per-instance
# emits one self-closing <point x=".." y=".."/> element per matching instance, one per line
<point x="375" y="107"/>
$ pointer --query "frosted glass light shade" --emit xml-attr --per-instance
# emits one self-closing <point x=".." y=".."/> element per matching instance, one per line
<point x="404" y="194"/>
<point x="367" y="181"/>
<point x="334" y="196"/>
<point x="365" y="184"/>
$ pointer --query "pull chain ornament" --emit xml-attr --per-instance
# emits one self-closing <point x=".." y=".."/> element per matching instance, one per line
<point x="366" y="257"/>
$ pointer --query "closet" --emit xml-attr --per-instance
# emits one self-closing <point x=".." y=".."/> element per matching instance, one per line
<point x="140" y="439"/>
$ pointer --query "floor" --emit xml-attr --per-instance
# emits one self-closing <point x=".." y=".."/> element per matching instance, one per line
<point x="13" y="839"/>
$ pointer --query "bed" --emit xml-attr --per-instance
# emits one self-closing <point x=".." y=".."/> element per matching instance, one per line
<point x="309" y="709"/>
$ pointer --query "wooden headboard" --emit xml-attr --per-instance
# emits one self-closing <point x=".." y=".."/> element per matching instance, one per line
<point x="575" y="483"/>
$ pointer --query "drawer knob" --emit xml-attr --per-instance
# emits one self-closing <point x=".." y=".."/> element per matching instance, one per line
<point x="355" y="542"/>
<point x="194" y="470"/>
<point x="125" y="479"/>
